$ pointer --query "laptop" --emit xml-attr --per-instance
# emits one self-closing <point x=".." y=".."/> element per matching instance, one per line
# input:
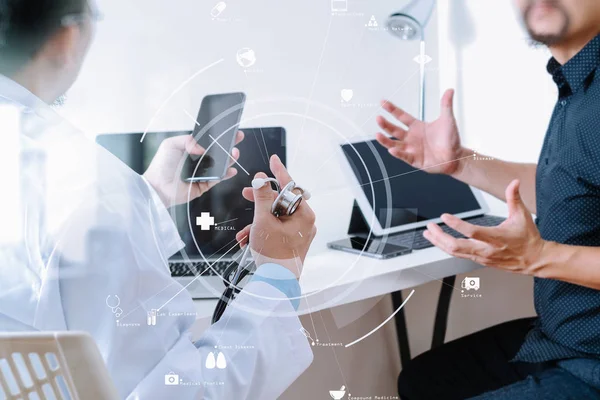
<point x="224" y="203"/>
<point x="397" y="201"/>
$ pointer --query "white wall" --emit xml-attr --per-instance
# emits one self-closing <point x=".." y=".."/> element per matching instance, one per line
<point x="144" y="49"/>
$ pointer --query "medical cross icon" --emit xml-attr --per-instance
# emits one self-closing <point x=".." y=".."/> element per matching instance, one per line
<point x="205" y="221"/>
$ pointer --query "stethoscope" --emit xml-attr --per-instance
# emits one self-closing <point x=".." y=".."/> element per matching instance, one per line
<point x="286" y="204"/>
<point x="114" y="307"/>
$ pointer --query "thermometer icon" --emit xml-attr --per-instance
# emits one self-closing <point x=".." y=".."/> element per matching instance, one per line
<point x="307" y="335"/>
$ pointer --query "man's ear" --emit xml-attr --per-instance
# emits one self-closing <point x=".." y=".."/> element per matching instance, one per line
<point x="61" y="49"/>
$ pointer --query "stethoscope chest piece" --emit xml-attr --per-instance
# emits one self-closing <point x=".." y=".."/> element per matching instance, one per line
<point x="287" y="202"/>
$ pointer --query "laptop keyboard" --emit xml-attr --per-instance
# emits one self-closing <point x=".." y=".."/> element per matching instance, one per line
<point x="180" y="269"/>
<point x="412" y="239"/>
<point x="416" y="241"/>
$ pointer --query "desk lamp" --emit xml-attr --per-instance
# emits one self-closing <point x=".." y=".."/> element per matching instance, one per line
<point x="409" y="24"/>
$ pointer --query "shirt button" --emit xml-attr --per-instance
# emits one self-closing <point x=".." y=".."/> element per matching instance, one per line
<point x="563" y="103"/>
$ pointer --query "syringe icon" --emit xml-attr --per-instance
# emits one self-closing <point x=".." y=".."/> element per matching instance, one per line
<point x="307" y="335"/>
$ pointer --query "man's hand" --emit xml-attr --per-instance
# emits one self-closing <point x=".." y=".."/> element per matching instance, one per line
<point x="283" y="240"/>
<point x="515" y="245"/>
<point x="163" y="173"/>
<point x="434" y="146"/>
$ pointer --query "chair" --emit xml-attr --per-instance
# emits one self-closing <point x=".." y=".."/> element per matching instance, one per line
<point x="52" y="365"/>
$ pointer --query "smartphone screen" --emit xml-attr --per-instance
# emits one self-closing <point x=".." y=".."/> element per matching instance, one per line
<point x="216" y="129"/>
<point x="371" y="246"/>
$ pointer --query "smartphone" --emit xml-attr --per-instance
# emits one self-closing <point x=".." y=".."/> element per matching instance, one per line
<point x="216" y="129"/>
<point x="373" y="247"/>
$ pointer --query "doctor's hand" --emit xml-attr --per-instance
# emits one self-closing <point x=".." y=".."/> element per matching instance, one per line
<point x="433" y="146"/>
<point x="285" y="240"/>
<point x="515" y="245"/>
<point x="164" y="175"/>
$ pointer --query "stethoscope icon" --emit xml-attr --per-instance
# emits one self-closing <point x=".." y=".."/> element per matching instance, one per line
<point x="115" y="308"/>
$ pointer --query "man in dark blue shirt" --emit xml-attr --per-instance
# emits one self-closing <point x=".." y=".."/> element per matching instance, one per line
<point x="557" y="354"/>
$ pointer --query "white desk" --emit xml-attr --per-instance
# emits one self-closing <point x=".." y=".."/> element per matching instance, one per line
<point x="333" y="278"/>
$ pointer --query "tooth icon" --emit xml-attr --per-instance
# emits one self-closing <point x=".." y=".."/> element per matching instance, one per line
<point x="210" y="361"/>
<point x="221" y="362"/>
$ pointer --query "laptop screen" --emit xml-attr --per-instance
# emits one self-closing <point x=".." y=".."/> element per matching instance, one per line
<point x="416" y="196"/>
<point x="224" y="202"/>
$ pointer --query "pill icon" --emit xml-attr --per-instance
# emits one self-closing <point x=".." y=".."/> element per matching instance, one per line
<point x="218" y="9"/>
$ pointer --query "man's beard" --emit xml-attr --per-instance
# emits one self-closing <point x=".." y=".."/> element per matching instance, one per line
<point x="548" y="39"/>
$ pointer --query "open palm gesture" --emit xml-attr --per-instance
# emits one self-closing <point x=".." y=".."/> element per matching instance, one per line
<point x="433" y="146"/>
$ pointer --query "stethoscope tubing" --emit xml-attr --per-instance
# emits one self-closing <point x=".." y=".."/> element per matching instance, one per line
<point x="231" y="285"/>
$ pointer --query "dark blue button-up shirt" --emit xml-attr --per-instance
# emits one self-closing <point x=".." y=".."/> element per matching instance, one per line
<point x="568" y="210"/>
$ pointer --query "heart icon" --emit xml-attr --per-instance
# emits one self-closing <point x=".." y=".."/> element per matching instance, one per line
<point x="347" y="95"/>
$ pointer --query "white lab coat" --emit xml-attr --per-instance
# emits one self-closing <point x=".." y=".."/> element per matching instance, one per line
<point x="92" y="230"/>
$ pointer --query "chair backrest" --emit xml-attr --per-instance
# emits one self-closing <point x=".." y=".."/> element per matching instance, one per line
<point x="52" y="365"/>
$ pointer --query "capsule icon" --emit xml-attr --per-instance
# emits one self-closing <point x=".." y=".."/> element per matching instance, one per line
<point x="218" y="9"/>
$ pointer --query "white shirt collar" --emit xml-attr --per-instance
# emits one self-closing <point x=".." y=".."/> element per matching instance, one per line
<point x="12" y="92"/>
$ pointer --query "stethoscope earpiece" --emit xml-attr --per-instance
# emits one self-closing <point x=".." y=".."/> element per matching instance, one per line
<point x="258" y="183"/>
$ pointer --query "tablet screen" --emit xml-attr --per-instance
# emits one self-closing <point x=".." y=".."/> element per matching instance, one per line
<point x="416" y="196"/>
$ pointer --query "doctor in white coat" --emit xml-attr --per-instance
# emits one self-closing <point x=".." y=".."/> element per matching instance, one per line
<point x="84" y="241"/>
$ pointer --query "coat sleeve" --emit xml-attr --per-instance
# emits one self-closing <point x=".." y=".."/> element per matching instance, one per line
<point x="260" y="336"/>
<point x="254" y="355"/>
